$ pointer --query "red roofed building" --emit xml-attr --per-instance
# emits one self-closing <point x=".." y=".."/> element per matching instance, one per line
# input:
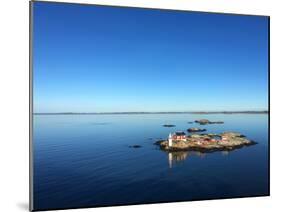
<point x="179" y="136"/>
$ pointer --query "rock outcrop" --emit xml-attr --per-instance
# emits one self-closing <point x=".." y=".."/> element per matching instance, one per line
<point x="195" y="129"/>
<point x="206" y="121"/>
<point x="135" y="146"/>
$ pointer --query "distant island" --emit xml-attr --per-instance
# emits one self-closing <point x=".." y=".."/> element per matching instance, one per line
<point x="135" y="113"/>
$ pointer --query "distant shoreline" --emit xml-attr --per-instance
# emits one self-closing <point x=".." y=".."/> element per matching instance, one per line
<point x="140" y="113"/>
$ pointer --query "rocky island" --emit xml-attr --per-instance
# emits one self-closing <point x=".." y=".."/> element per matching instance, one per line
<point x="195" y="129"/>
<point x="225" y="141"/>
<point x="206" y="121"/>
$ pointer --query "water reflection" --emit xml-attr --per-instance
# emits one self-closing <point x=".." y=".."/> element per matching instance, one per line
<point x="180" y="156"/>
<point x="174" y="157"/>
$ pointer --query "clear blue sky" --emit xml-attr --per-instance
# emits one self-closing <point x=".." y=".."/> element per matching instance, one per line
<point x="109" y="59"/>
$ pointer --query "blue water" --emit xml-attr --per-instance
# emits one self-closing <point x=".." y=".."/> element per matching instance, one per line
<point x="85" y="160"/>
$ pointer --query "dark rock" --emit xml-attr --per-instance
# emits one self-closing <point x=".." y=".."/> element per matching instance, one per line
<point x="168" y="125"/>
<point x="135" y="146"/>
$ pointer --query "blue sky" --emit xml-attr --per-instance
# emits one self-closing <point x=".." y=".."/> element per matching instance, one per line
<point x="110" y="59"/>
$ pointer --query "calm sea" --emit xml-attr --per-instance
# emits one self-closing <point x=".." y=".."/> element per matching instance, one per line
<point x="85" y="160"/>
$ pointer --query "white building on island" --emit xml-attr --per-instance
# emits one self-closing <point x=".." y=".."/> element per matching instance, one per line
<point x="170" y="140"/>
<point x="177" y="136"/>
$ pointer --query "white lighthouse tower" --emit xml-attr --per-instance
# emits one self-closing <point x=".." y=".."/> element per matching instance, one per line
<point x="170" y="140"/>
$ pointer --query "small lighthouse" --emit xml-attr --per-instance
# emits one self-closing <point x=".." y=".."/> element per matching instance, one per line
<point x="170" y="140"/>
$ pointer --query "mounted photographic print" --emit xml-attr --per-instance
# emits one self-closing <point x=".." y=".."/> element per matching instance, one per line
<point x="136" y="105"/>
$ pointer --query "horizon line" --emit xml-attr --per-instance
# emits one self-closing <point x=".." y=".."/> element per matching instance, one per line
<point x="157" y="112"/>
